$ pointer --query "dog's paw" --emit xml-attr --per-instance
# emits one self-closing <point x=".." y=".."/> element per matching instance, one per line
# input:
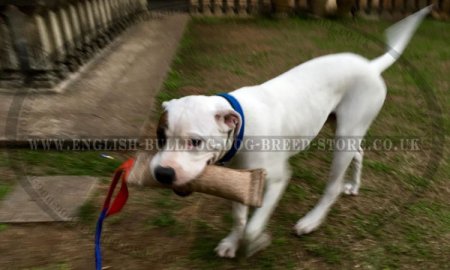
<point x="258" y="244"/>
<point x="227" y="248"/>
<point x="350" y="189"/>
<point x="306" y="225"/>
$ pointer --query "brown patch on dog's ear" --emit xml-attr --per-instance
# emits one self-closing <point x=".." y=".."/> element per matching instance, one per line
<point x="163" y="124"/>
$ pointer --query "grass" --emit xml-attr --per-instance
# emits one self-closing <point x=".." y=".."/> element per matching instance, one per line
<point x="57" y="266"/>
<point x="87" y="213"/>
<point x="330" y="254"/>
<point x="62" y="162"/>
<point x="164" y="220"/>
<point x="401" y="218"/>
<point x="4" y="189"/>
<point x="3" y="227"/>
<point x="379" y="166"/>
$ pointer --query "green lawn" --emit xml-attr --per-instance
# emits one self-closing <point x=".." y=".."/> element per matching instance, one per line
<point x="400" y="220"/>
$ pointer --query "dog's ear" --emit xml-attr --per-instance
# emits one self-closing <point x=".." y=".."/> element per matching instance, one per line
<point x="228" y="120"/>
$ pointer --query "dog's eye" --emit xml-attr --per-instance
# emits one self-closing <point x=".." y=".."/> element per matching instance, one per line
<point x="195" y="142"/>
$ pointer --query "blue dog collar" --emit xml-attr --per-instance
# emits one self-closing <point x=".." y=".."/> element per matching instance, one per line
<point x="238" y="141"/>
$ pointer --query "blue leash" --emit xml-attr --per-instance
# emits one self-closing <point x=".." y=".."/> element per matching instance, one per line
<point x="98" y="235"/>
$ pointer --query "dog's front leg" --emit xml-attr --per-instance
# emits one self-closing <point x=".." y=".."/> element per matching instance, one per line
<point x="254" y="234"/>
<point x="228" y="246"/>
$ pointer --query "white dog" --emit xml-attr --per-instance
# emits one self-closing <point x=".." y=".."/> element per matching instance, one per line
<point x="296" y="103"/>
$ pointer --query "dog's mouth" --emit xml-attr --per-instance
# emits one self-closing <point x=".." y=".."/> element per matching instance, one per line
<point x="182" y="191"/>
<point x="183" y="188"/>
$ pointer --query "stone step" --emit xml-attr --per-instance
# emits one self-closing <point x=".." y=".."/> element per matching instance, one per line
<point x="47" y="198"/>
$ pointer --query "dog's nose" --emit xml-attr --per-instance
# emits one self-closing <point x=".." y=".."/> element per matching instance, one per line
<point x="165" y="175"/>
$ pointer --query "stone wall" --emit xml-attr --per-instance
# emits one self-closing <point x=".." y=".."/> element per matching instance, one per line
<point x="388" y="8"/>
<point x="42" y="42"/>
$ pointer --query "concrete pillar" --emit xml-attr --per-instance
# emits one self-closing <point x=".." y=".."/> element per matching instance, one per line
<point x="143" y="5"/>
<point x="121" y="9"/>
<point x="383" y="9"/>
<point x="112" y="9"/>
<point x="130" y="10"/>
<point x="398" y="8"/>
<point x="107" y="5"/>
<point x="57" y="36"/>
<point x="241" y="7"/>
<point x="265" y="7"/>
<point x="317" y="7"/>
<point x="373" y="6"/>
<point x="445" y="9"/>
<point x="101" y="6"/>
<point x="120" y="12"/>
<point x="101" y="16"/>
<point x="84" y="22"/>
<point x="45" y="48"/>
<point x="75" y="22"/>
<point x="410" y="6"/>
<point x="71" y="60"/>
<point x="46" y="20"/>
<point x="17" y="24"/>
<point x="213" y="6"/>
<point x="103" y="21"/>
<point x="90" y="17"/>
<point x="8" y="58"/>
<point x="193" y="6"/>
<point x="133" y="7"/>
<point x="423" y="3"/>
<point x="344" y="7"/>
<point x="137" y="6"/>
<point x="229" y="7"/>
<point x="363" y="6"/>
<point x="252" y="7"/>
<point x="331" y="7"/>
<point x="285" y="6"/>
<point x="97" y="16"/>
<point x="302" y="4"/>
<point x="205" y="7"/>
<point x="66" y="29"/>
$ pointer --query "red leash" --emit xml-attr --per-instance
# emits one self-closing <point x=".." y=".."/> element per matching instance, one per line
<point x="109" y="209"/>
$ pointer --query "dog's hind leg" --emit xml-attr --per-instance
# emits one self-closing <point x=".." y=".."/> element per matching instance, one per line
<point x="354" y="115"/>
<point x="314" y="218"/>
<point x="352" y="187"/>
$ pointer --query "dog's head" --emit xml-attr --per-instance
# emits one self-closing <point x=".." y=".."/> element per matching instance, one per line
<point x="193" y="131"/>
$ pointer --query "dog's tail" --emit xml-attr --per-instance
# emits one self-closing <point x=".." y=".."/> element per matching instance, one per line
<point x="397" y="37"/>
